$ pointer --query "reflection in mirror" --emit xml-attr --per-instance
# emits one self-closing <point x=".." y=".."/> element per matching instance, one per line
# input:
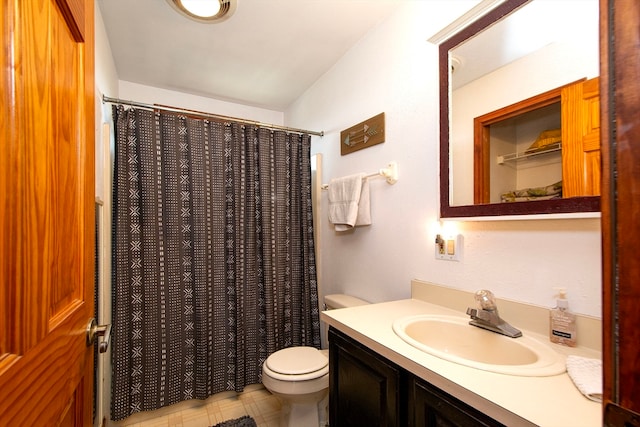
<point x="516" y="93"/>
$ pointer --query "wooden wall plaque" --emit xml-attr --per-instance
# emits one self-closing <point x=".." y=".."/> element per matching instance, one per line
<point x="363" y="135"/>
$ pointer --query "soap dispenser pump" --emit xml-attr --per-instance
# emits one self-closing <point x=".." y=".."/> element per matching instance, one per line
<point x="562" y="322"/>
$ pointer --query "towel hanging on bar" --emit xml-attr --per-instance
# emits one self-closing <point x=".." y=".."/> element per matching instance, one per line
<point x="349" y="204"/>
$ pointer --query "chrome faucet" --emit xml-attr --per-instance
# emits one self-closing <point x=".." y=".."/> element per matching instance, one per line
<point x="486" y="316"/>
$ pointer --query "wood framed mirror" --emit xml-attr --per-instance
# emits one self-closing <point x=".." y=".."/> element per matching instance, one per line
<point x="488" y="76"/>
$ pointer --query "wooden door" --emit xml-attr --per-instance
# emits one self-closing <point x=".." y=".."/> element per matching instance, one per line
<point x="46" y="211"/>
<point x="620" y="32"/>
<point x="581" y="139"/>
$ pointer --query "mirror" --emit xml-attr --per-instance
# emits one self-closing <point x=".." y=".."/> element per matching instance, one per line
<point x="494" y="73"/>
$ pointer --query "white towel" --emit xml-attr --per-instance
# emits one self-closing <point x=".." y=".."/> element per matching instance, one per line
<point x="349" y="202"/>
<point x="364" y="205"/>
<point x="586" y="375"/>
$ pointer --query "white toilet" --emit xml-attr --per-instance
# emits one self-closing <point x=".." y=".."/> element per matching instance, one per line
<point x="299" y="377"/>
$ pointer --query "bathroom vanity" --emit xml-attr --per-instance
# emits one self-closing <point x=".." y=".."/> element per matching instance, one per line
<point x="368" y="389"/>
<point x="376" y="378"/>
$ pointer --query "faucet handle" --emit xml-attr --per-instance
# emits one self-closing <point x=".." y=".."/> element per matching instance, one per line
<point x="486" y="300"/>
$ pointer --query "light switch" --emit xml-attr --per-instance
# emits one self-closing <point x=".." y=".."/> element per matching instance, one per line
<point x="451" y="247"/>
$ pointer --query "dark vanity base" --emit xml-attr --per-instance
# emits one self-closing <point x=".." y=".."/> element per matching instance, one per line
<point x="366" y="389"/>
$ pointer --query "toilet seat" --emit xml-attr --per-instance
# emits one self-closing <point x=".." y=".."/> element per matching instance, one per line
<point x="297" y="364"/>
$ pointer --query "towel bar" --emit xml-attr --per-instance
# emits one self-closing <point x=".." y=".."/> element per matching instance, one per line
<point x="390" y="173"/>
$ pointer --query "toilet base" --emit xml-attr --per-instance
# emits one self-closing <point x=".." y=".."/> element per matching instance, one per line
<point x="304" y="413"/>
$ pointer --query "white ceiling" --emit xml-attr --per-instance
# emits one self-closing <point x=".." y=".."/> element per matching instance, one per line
<point x="267" y="54"/>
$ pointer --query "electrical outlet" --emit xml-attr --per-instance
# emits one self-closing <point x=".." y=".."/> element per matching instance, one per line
<point x="449" y="248"/>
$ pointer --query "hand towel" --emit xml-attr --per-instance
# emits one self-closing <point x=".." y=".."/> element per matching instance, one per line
<point x="345" y="196"/>
<point x="586" y="374"/>
<point x="364" y="205"/>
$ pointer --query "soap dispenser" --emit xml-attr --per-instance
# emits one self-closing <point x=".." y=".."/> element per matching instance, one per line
<point x="562" y="322"/>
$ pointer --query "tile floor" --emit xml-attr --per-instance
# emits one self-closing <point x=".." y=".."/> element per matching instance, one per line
<point x="255" y="401"/>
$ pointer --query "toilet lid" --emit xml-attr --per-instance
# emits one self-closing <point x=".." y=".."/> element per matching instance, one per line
<point x="297" y="360"/>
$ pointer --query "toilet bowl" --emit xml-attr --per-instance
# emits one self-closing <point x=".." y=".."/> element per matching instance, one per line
<point x="299" y="377"/>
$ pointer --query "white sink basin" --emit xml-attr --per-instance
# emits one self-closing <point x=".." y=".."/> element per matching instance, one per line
<point x="453" y="339"/>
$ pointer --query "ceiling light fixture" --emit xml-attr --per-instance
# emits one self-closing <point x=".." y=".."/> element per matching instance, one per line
<point x="206" y="11"/>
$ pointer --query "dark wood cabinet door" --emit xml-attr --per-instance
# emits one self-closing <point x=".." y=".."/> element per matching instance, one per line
<point x="431" y="407"/>
<point x="365" y="388"/>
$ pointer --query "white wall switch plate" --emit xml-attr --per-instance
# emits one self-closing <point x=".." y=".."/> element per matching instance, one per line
<point x="449" y="248"/>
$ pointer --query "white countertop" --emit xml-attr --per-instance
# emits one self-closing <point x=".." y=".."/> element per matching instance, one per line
<point x="513" y="400"/>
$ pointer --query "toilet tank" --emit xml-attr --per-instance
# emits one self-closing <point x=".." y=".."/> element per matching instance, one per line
<point x="334" y="301"/>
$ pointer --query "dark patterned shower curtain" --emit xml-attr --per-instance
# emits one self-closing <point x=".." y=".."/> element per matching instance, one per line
<point x="214" y="265"/>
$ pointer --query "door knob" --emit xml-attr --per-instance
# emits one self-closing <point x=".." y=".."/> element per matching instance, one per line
<point x="94" y="330"/>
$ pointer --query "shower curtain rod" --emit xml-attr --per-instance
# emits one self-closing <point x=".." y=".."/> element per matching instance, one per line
<point x="208" y="115"/>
